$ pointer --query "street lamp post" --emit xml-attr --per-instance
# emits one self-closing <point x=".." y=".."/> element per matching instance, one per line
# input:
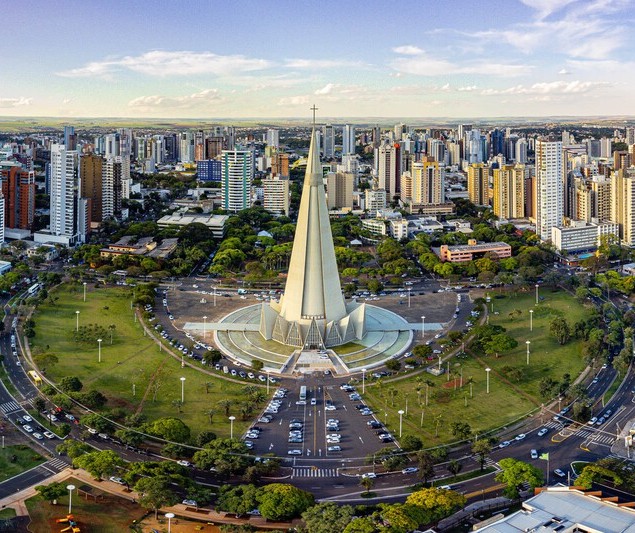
<point x="423" y="327"/>
<point x="537" y="293"/>
<point x="268" y="379"/>
<point x="439" y="363"/>
<point x="401" y="412"/>
<point x="204" y="327"/>
<point x="231" y="426"/>
<point x="214" y="295"/>
<point x="84" y="291"/>
<point x="76" y="320"/>
<point x="99" y="343"/>
<point x="70" y="488"/>
<point x="169" y="516"/>
<point x="409" y="289"/>
<point x="488" y="370"/>
<point x="182" y="390"/>
<point x="531" y="320"/>
<point x="527" y="343"/>
<point x="363" y="380"/>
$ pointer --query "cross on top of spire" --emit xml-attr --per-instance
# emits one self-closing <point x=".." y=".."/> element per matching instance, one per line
<point x="314" y="109"/>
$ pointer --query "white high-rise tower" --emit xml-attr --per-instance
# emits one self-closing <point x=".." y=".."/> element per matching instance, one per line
<point x="549" y="187"/>
<point x="64" y="191"/>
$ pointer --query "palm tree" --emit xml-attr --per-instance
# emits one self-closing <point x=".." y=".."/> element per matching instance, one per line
<point x="111" y="328"/>
<point x="454" y="467"/>
<point x="367" y="483"/>
<point x="210" y="414"/>
<point x="437" y="422"/>
<point x="470" y="382"/>
<point x="208" y="386"/>
<point x="225" y="405"/>
<point x="246" y="408"/>
<point x="393" y="393"/>
<point x="428" y="384"/>
<point x="178" y="404"/>
<point x="249" y="390"/>
<point x="259" y="397"/>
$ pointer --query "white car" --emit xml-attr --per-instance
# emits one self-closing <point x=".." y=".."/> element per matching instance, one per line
<point x="520" y="437"/>
<point x="330" y="408"/>
<point x="49" y="435"/>
<point x="335" y="448"/>
<point x="27" y="418"/>
<point x="183" y="462"/>
<point x="369" y="475"/>
<point x="294" y="452"/>
<point x="38" y="436"/>
<point x="534" y="454"/>
<point x="334" y="436"/>
<point x="28" y="429"/>
<point x="543" y="432"/>
<point x="117" y="480"/>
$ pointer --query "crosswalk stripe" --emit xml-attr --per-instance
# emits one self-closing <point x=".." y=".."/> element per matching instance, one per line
<point x="10" y="407"/>
<point x="314" y="472"/>
<point x="57" y="464"/>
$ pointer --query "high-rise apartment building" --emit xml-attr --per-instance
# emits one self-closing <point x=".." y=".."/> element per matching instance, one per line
<point x="280" y="164"/>
<point x="237" y="173"/>
<point x="339" y="188"/>
<point x="348" y="140"/>
<point x="509" y="191"/>
<point x="18" y="189"/>
<point x="112" y="183"/>
<point x="549" y="187"/>
<point x="276" y="194"/>
<point x="374" y="200"/>
<point x="90" y="178"/>
<point x="389" y="168"/>
<point x="273" y="138"/>
<point x="478" y="183"/>
<point x="200" y="152"/>
<point x="70" y="139"/>
<point x="428" y="179"/>
<point x="186" y="151"/>
<point x="64" y="194"/>
<point x="521" y="151"/>
<point x="623" y="204"/>
<point x="328" y="141"/>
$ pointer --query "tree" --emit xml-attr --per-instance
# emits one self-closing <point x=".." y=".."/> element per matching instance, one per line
<point x="99" y="464"/>
<point x="499" y="343"/>
<point x="362" y="524"/>
<point x="462" y="430"/>
<point x="257" y="365"/>
<point x="52" y="491"/>
<point x="70" y="384"/>
<point x="72" y="448"/>
<point x="514" y="473"/>
<point x="172" y="429"/>
<point x="425" y="463"/>
<point x="204" y="437"/>
<point x="326" y="517"/>
<point x="481" y="448"/>
<point x="592" y="473"/>
<point x="279" y="501"/>
<point x="393" y="365"/>
<point x="410" y="443"/>
<point x="367" y="483"/>
<point x="560" y="329"/>
<point x="454" y="467"/>
<point x="155" y="492"/>
<point x="436" y="503"/>
<point x="95" y="421"/>
<point x="238" y="500"/>
<point x="226" y="456"/>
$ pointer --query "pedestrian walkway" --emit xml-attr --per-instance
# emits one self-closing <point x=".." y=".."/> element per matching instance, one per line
<point x="311" y="471"/>
<point x="10" y="407"/>
<point x="56" y="464"/>
<point x="596" y="436"/>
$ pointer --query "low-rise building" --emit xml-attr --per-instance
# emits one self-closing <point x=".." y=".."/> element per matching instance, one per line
<point x="474" y="250"/>
<point x="146" y="246"/>
<point x="582" y="236"/>
<point x="214" y="222"/>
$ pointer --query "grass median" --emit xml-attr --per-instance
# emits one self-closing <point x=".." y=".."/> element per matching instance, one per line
<point x="134" y="374"/>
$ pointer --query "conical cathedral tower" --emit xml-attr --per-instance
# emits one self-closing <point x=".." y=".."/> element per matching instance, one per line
<point x="312" y="312"/>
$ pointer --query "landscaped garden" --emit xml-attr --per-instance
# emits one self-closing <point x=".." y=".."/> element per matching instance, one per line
<point x="460" y="397"/>
<point x="134" y="374"/>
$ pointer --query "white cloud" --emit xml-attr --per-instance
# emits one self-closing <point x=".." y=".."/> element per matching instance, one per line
<point x="468" y="88"/>
<point x="200" y="99"/>
<point x="321" y="63"/>
<point x="547" y="7"/>
<point x="408" y="50"/>
<point x="294" y="100"/>
<point x="546" y="88"/>
<point x="564" y="72"/>
<point x="165" y="63"/>
<point x="327" y="89"/>
<point x="15" y="102"/>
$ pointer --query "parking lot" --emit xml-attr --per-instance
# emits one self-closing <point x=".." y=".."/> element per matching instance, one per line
<point x="328" y="424"/>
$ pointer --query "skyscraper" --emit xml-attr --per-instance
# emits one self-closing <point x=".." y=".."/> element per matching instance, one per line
<point x="339" y="186"/>
<point x="549" y="187"/>
<point x="70" y="139"/>
<point x="237" y="172"/>
<point x="90" y="178"/>
<point x="478" y="183"/>
<point x="509" y="191"/>
<point x="276" y="194"/>
<point x="389" y="168"/>
<point x="348" y="140"/>
<point x="623" y="204"/>
<point x="328" y="141"/>
<point x="428" y="183"/>
<point x="64" y="193"/>
<point x="112" y="187"/>
<point x="273" y="138"/>
<point x="18" y="189"/>
<point x="312" y="312"/>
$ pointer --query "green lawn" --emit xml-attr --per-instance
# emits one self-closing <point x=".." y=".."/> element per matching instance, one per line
<point x="7" y="514"/>
<point x="17" y="459"/>
<point x="132" y="359"/>
<point x="108" y="515"/>
<point x="546" y="357"/>
<point x="506" y="401"/>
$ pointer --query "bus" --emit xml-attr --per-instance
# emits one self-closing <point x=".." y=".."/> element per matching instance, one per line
<point x="33" y="289"/>
<point x="303" y="392"/>
<point x="34" y="376"/>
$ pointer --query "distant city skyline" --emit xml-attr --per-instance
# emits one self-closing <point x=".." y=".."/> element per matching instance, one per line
<point x="197" y="59"/>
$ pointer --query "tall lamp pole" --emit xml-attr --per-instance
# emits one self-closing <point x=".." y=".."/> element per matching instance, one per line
<point x="70" y="488"/>
<point x="169" y="516"/>
<point x="423" y="327"/>
<point x="205" y="327"/>
<point x="531" y="320"/>
<point x="528" y="343"/>
<point x="401" y="412"/>
<point x="409" y="289"/>
<point x="76" y="320"/>
<point x="182" y="390"/>
<point x="363" y="380"/>
<point x="231" y="426"/>
<point x="537" y="293"/>
<point x="488" y="370"/>
<point x="84" y="291"/>
<point x="99" y="343"/>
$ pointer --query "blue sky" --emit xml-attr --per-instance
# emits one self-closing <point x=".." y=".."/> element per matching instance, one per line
<point x="413" y="58"/>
